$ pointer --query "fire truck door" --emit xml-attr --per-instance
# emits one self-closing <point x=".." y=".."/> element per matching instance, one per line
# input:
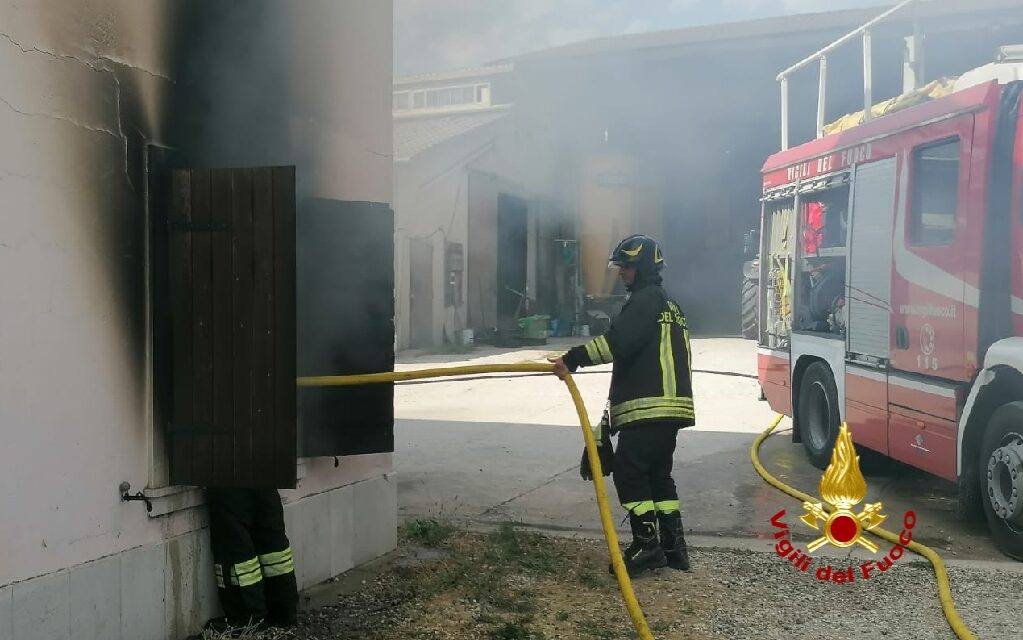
<point x="929" y="290"/>
<point x="931" y="240"/>
<point x="931" y="298"/>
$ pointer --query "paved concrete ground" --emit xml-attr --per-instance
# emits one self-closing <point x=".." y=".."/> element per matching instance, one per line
<point x="491" y="450"/>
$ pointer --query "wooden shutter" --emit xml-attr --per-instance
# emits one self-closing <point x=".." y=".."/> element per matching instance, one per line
<point x="231" y="294"/>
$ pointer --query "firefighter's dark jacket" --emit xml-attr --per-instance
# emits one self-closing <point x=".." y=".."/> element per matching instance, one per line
<point x="648" y="342"/>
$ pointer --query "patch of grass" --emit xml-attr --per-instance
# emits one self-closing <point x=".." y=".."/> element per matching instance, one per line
<point x="496" y="571"/>
<point x="589" y="579"/>
<point x="427" y="532"/>
<point x="515" y="600"/>
<point x="486" y="586"/>
<point x="527" y="550"/>
<point x="660" y="627"/>
<point x="489" y="572"/>
<point x="512" y="631"/>
<point x="489" y="587"/>
<point x="562" y="616"/>
<point x="596" y="630"/>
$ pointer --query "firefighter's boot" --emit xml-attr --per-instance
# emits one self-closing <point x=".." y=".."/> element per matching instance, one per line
<point x="645" y="553"/>
<point x="673" y="540"/>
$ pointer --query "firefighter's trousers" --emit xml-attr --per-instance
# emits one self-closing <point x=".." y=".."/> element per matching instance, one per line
<point x="642" y="468"/>
<point x="252" y="558"/>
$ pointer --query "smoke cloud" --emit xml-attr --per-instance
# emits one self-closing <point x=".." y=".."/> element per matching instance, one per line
<point x="433" y="35"/>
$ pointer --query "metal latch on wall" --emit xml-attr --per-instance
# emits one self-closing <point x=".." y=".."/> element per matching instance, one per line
<point x="140" y="497"/>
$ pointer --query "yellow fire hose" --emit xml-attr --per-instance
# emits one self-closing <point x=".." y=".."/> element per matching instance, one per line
<point x="944" y="591"/>
<point x="610" y="535"/>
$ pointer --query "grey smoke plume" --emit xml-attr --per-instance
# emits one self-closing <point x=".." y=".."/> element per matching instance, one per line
<point x="444" y="34"/>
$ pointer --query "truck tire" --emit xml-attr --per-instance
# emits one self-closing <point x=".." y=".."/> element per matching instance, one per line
<point x="750" y="295"/>
<point x="1001" y="478"/>
<point x="818" y="413"/>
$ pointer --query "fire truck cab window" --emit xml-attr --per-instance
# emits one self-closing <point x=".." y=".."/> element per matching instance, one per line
<point x="820" y="279"/>
<point x="825" y="220"/>
<point x="935" y="193"/>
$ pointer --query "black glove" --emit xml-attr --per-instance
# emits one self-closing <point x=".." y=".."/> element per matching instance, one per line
<point x="604" y="450"/>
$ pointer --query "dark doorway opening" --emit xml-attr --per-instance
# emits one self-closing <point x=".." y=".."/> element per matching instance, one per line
<point x="512" y="224"/>
<point x="421" y="293"/>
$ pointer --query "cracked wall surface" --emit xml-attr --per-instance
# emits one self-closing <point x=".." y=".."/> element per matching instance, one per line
<point x="85" y="86"/>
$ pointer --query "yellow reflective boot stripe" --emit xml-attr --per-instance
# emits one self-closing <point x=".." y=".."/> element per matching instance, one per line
<point x="639" y="508"/>
<point x="275" y="557"/>
<point x="278" y="563"/>
<point x="248" y="565"/>
<point x="284" y="568"/>
<point x="246" y="574"/>
<point x="218" y="569"/>
<point x="249" y="579"/>
<point x="667" y="506"/>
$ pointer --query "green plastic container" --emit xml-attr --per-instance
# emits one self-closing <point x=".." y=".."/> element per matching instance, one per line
<point x="534" y="327"/>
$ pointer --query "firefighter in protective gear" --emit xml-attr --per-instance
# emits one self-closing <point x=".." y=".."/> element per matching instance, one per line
<point x="255" y="571"/>
<point x="650" y="399"/>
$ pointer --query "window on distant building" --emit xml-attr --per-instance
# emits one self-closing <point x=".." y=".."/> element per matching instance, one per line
<point x="443" y="97"/>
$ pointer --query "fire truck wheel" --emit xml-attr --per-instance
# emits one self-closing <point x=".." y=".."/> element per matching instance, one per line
<point x="1001" y="478"/>
<point x="818" y="413"/>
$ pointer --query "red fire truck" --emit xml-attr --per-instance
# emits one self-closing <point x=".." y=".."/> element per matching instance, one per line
<point x="891" y="291"/>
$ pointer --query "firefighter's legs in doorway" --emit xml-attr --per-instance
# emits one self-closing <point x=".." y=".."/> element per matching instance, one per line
<point x="255" y="572"/>
<point x="642" y="477"/>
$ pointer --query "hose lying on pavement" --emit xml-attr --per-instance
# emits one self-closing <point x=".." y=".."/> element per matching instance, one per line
<point x="610" y="535"/>
<point x="944" y="591"/>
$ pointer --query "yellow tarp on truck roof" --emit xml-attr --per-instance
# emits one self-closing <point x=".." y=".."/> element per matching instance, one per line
<point x="936" y="89"/>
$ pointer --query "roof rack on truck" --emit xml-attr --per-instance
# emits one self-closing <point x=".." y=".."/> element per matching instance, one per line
<point x="913" y="64"/>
